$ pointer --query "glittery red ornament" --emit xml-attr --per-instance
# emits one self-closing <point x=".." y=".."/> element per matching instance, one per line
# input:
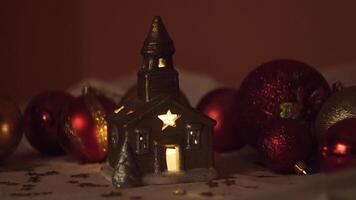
<point x="284" y="144"/>
<point x="42" y="121"/>
<point x="338" y="147"/>
<point x="280" y="89"/>
<point x="85" y="126"/>
<point x="219" y="104"/>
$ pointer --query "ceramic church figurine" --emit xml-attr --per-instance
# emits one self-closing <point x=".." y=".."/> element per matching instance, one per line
<point x="155" y="138"/>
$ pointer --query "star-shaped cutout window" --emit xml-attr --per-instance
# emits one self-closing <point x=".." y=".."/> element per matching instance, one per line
<point x="168" y="119"/>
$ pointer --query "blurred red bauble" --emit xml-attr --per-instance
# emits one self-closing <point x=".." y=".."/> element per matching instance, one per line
<point x="85" y="126"/>
<point x="42" y="121"/>
<point x="219" y="105"/>
<point x="280" y="89"/>
<point x="284" y="144"/>
<point x="11" y="126"/>
<point x="339" y="146"/>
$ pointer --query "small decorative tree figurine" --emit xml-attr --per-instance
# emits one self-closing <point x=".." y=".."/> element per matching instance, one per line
<point x="126" y="173"/>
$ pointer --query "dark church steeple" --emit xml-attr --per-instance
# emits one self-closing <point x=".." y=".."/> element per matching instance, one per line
<point x="157" y="76"/>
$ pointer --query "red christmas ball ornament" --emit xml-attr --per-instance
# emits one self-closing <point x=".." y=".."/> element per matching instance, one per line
<point x="85" y="126"/>
<point x="338" y="147"/>
<point x="280" y="89"/>
<point x="11" y="126"/>
<point x="219" y="105"/>
<point x="42" y="121"/>
<point x="285" y="145"/>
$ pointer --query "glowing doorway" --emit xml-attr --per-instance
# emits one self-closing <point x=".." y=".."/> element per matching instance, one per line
<point x="173" y="158"/>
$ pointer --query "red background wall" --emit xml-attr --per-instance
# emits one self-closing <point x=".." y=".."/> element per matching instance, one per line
<point x="53" y="44"/>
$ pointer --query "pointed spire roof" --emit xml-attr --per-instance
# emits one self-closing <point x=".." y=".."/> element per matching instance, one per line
<point x="158" y="42"/>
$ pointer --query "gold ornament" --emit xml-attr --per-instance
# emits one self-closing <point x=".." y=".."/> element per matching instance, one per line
<point x="10" y="127"/>
<point x="341" y="105"/>
<point x="85" y="127"/>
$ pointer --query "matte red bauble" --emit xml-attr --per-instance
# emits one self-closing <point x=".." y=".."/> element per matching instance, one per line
<point x="11" y="126"/>
<point x="42" y="121"/>
<point x="85" y="126"/>
<point x="219" y="105"/>
<point x="280" y="89"/>
<point x="339" y="146"/>
<point x="284" y="144"/>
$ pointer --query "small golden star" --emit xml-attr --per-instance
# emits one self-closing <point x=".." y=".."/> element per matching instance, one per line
<point x="168" y="119"/>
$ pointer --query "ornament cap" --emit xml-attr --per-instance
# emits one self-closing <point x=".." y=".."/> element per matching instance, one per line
<point x="300" y="168"/>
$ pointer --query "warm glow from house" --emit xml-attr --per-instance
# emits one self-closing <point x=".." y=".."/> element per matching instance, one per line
<point x="161" y="62"/>
<point x="168" y="119"/>
<point x="172" y="158"/>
